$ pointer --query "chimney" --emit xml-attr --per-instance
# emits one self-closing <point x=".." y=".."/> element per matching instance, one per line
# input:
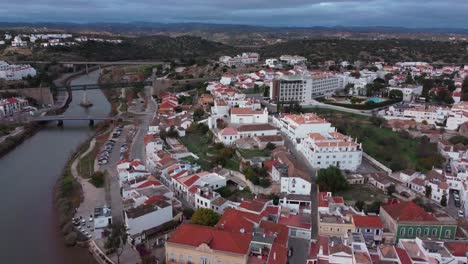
<point x="274" y="255"/>
<point x="242" y="230"/>
<point x="320" y="250"/>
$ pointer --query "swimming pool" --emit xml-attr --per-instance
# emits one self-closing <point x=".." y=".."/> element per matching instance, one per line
<point x="375" y="99"/>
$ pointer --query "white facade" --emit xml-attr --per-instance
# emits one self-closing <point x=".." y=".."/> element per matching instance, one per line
<point x="305" y="88"/>
<point x="408" y="92"/>
<point x="293" y="60"/>
<point x="249" y="116"/>
<point x="295" y="185"/>
<point x="299" y="126"/>
<point x="332" y="149"/>
<point x="16" y="72"/>
<point x="147" y="221"/>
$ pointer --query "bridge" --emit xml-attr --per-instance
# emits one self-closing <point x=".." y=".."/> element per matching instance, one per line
<point x="104" y="86"/>
<point x="61" y="118"/>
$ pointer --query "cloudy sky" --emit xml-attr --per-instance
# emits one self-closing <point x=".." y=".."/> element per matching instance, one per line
<point x="408" y="13"/>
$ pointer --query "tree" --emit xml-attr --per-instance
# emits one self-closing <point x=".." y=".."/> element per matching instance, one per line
<point x="331" y="179"/>
<point x="391" y="189"/>
<point x="359" y="205"/>
<point x="355" y="74"/>
<point x="428" y="191"/>
<point x="117" y="239"/>
<point x="97" y="179"/>
<point x="377" y="121"/>
<point x="374" y="207"/>
<point x="198" y="114"/>
<point x="409" y="79"/>
<point x="188" y="212"/>
<point x="206" y="217"/>
<point x="443" y="201"/>
<point x="270" y="146"/>
<point x="395" y="94"/>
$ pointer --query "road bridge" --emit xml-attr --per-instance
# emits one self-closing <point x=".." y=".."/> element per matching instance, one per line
<point x="61" y="118"/>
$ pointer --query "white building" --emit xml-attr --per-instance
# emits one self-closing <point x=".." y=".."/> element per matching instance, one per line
<point x="304" y="88"/>
<point x="245" y="59"/>
<point x="154" y="212"/>
<point x="295" y="185"/>
<point x="457" y="116"/>
<point x="229" y="135"/>
<point x="331" y="149"/>
<point x="12" y="105"/>
<point x="249" y="116"/>
<point x="409" y="92"/>
<point x="15" y="72"/>
<point x="299" y="126"/>
<point x="293" y="60"/>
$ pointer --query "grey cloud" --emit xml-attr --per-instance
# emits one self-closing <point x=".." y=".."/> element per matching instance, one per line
<point x="412" y="13"/>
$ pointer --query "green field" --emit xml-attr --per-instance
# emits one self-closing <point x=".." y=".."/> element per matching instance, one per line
<point x="251" y="153"/>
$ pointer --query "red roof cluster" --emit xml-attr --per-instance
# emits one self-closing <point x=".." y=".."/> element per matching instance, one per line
<point x="367" y="221"/>
<point x="325" y="197"/>
<point x="408" y="211"/>
<point x="216" y="239"/>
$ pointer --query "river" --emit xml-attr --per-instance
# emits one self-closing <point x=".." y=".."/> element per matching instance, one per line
<point x="28" y="221"/>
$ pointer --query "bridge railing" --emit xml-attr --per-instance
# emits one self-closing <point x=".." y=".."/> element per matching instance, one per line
<point x="104" y="86"/>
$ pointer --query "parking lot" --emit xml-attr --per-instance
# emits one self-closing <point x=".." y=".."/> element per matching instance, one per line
<point x="85" y="226"/>
<point x="106" y="152"/>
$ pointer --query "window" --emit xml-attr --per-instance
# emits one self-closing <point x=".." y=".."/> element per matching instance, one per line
<point x="447" y="233"/>
<point x="204" y="260"/>
<point x="189" y="259"/>
<point x="402" y="232"/>
<point x="418" y="232"/>
<point x="377" y="231"/>
<point x="426" y="231"/>
<point x="434" y="232"/>
<point x="173" y="258"/>
<point x="368" y="230"/>
<point x="181" y="258"/>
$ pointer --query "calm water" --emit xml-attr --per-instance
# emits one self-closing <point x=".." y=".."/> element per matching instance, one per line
<point x="28" y="221"/>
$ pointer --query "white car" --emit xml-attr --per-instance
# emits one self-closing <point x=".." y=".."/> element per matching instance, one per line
<point x="461" y="214"/>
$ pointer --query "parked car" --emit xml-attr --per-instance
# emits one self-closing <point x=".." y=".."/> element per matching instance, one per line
<point x="461" y="214"/>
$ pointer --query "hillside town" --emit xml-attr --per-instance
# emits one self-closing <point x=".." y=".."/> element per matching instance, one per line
<point x="49" y="40"/>
<point x="263" y="164"/>
<point x="244" y="172"/>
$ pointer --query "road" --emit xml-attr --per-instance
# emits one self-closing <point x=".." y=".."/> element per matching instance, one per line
<point x="313" y="187"/>
<point x="300" y="250"/>
<point x="138" y="146"/>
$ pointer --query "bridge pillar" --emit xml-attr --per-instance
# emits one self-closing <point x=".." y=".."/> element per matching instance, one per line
<point x="60" y="123"/>
<point x="91" y="122"/>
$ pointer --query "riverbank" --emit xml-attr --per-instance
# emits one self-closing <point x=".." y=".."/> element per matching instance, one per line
<point x="30" y="129"/>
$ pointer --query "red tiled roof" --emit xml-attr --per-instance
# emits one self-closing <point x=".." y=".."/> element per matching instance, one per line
<point x="216" y="239"/>
<point x="324" y="199"/>
<point x="408" y="211"/>
<point x="278" y="254"/>
<point x="367" y="221"/>
<point x="149" y="183"/>
<point x="154" y="199"/>
<point x="234" y="220"/>
<point x="403" y="256"/>
<point x="190" y="180"/>
<point x="228" y="131"/>
<point x="282" y="232"/>
<point x="254" y="205"/>
<point x="179" y="174"/>
<point x="271" y="210"/>
<point x="418" y="181"/>
<point x="294" y="221"/>
<point x="270" y="163"/>
<point x="457" y="248"/>
<point x="315" y="247"/>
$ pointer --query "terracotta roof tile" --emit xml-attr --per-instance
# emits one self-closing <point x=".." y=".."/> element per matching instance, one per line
<point x="408" y="211"/>
<point x="216" y="239"/>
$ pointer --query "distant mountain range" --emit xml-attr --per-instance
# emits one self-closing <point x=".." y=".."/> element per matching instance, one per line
<point x="151" y="28"/>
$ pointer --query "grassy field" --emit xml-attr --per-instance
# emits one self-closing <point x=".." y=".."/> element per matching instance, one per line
<point x="361" y="193"/>
<point x="251" y="153"/>
<point x="86" y="164"/>
<point x="201" y="145"/>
